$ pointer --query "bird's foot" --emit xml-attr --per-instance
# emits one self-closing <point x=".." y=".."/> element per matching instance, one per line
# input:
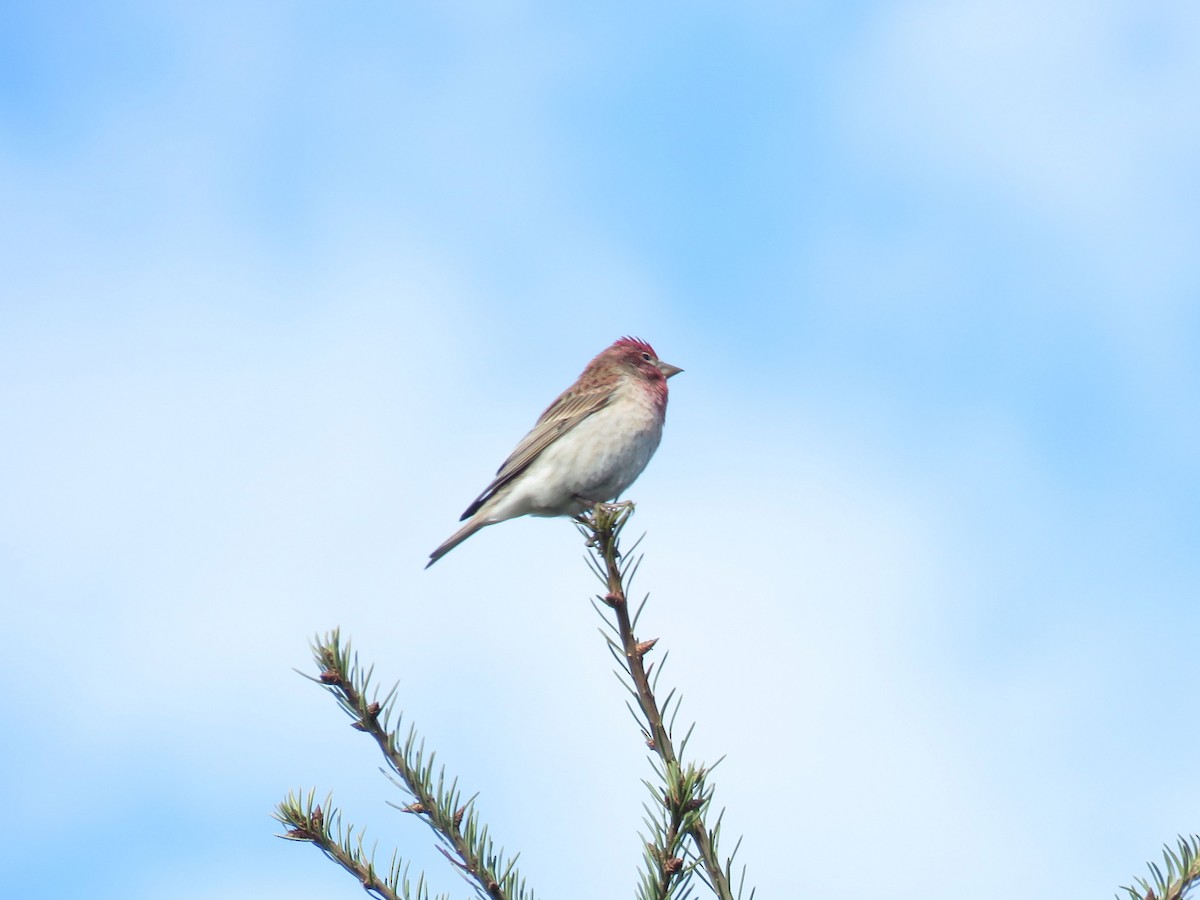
<point x="584" y="520"/>
<point x="587" y="509"/>
<point x="592" y="506"/>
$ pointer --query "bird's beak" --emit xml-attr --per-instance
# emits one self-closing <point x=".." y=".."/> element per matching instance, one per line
<point x="668" y="370"/>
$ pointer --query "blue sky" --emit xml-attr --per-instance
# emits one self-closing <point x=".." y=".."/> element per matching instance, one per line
<point x="282" y="287"/>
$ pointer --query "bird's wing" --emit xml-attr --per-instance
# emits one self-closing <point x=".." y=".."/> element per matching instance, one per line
<point x="573" y="406"/>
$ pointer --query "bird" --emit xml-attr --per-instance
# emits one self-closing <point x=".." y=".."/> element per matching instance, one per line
<point x="588" y="447"/>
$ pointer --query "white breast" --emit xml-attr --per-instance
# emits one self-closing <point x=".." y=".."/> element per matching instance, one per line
<point x="596" y="460"/>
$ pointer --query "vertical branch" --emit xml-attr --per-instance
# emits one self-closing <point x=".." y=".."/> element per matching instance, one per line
<point x="686" y="795"/>
<point x="634" y="652"/>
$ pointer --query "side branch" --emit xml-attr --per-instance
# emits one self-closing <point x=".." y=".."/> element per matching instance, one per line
<point x="1179" y="873"/>
<point x="308" y="821"/>
<point x="466" y="843"/>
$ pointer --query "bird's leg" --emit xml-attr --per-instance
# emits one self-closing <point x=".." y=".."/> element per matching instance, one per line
<point x="612" y="508"/>
<point x="609" y="507"/>
<point x="591" y="513"/>
<point x="587" y="513"/>
<point x="587" y="518"/>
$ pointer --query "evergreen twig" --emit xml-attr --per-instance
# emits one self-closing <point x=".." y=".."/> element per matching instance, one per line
<point x="682" y="796"/>
<point x="306" y="820"/>
<point x="465" y="842"/>
<point x="1181" y="875"/>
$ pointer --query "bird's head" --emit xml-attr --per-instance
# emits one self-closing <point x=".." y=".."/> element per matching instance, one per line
<point x="639" y="356"/>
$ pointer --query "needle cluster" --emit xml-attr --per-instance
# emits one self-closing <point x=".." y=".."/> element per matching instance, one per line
<point x="681" y="843"/>
<point x="1179" y="873"/>
<point x="431" y="798"/>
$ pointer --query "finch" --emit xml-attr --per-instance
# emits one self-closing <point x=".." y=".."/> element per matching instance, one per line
<point x="587" y="447"/>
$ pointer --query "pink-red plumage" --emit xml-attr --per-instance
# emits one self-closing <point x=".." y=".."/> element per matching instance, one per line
<point x="636" y="343"/>
<point x="589" y="445"/>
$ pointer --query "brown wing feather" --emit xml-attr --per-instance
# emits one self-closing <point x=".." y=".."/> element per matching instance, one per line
<point x="572" y="406"/>
<point x="562" y="415"/>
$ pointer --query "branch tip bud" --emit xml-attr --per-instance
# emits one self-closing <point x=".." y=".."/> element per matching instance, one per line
<point x="644" y="647"/>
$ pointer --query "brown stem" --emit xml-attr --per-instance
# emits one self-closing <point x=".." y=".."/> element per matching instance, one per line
<point x="365" y="873"/>
<point x="446" y="822"/>
<point x="605" y="525"/>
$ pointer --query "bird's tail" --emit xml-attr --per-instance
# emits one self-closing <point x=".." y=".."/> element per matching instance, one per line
<point x="457" y="538"/>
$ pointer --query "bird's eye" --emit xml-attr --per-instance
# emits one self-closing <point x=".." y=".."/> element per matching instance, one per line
<point x="646" y="357"/>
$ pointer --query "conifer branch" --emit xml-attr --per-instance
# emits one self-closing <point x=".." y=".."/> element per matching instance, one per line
<point x="682" y="796"/>
<point x="308" y="821"/>
<point x="1181" y="875"/>
<point x="465" y="843"/>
